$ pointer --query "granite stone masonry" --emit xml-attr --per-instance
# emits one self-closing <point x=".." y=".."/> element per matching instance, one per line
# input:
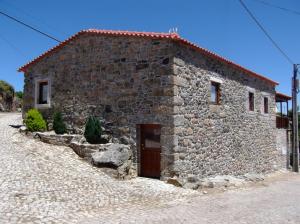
<point x="129" y="80"/>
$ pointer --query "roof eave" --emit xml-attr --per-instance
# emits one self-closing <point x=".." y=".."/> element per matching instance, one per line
<point x="173" y="36"/>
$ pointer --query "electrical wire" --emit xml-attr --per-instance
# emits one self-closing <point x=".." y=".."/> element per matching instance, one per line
<point x="36" y="19"/>
<point x="278" y="7"/>
<point x="12" y="46"/>
<point x="266" y="33"/>
<point x="30" y="27"/>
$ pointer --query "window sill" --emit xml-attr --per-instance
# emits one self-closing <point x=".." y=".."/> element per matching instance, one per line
<point x="265" y="114"/>
<point x="215" y="104"/>
<point x="42" y="106"/>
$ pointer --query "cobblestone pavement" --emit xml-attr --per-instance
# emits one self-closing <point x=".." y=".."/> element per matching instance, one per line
<point x="40" y="183"/>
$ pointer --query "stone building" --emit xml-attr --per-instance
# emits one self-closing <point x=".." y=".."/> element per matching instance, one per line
<point x="189" y="112"/>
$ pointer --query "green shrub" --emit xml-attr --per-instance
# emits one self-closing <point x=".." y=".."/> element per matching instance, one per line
<point x="58" y="124"/>
<point x="93" y="130"/>
<point x="34" y="121"/>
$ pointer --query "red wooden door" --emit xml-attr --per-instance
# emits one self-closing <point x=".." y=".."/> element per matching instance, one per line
<point x="150" y="150"/>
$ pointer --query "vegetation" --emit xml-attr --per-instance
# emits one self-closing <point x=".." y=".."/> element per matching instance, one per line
<point x="6" y="89"/>
<point x="34" y="121"/>
<point x="93" y="130"/>
<point x="19" y="94"/>
<point x="7" y="93"/>
<point x="58" y="124"/>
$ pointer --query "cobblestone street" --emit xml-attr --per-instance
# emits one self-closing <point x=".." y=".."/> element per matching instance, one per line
<point x="41" y="183"/>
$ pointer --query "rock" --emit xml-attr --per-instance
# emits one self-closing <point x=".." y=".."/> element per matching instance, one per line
<point x="193" y="186"/>
<point x="115" y="140"/>
<point x="114" y="156"/>
<point x="220" y="181"/>
<point x="84" y="150"/>
<point x="78" y="139"/>
<point x="127" y="141"/>
<point x="23" y="129"/>
<point x="55" y="139"/>
<point x="174" y="181"/>
<point x="105" y="138"/>
<point x="253" y="177"/>
<point x="205" y="184"/>
<point x="192" y="178"/>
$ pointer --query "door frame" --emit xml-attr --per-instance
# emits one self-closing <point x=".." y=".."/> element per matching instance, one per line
<point x="139" y="128"/>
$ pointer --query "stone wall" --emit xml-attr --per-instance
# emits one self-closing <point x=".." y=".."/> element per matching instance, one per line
<point x="225" y="139"/>
<point x="129" y="81"/>
<point x="124" y="80"/>
<point x="283" y="144"/>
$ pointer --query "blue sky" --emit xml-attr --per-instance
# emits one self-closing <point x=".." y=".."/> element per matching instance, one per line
<point x="221" y="26"/>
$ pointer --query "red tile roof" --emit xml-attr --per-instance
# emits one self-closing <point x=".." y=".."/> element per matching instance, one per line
<point x="281" y="96"/>
<point x="172" y="36"/>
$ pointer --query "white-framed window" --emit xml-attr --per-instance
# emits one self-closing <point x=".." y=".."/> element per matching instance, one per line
<point x="265" y="105"/>
<point x="42" y="93"/>
<point x="250" y="102"/>
<point x="215" y="91"/>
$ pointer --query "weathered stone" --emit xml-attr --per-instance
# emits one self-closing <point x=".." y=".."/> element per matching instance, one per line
<point x="114" y="156"/>
<point x="174" y="181"/>
<point x="127" y="141"/>
<point x="23" y="129"/>
<point x="192" y="178"/>
<point x="193" y="186"/>
<point x="84" y="150"/>
<point x="253" y="177"/>
<point x="52" y="138"/>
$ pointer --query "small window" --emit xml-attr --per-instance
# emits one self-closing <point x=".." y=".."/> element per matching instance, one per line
<point x="266" y="105"/>
<point x="43" y="92"/>
<point x="251" y="101"/>
<point x="215" y="93"/>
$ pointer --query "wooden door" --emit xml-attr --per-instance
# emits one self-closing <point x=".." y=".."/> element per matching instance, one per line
<point x="150" y="150"/>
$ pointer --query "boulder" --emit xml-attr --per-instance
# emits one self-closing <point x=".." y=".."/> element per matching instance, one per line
<point x="174" y="181"/>
<point x="84" y="150"/>
<point x="127" y="141"/>
<point x="52" y="138"/>
<point x="116" y="156"/>
<point x="254" y="177"/>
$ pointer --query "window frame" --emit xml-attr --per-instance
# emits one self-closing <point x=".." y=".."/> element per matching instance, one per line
<point x="217" y="86"/>
<point x="265" y="105"/>
<point x="251" y="103"/>
<point x="38" y="83"/>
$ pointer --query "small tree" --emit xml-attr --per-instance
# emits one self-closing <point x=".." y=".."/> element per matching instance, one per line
<point x="34" y="121"/>
<point x="93" y="130"/>
<point x="58" y="124"/>
<point x="19" y="94"/>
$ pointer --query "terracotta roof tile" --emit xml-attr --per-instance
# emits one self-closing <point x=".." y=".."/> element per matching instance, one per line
<point x="173" y="36"/>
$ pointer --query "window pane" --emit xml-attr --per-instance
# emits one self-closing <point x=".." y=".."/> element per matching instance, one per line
<point x="266" y="105"/>
<point x="152" y="138"/>
<point x="213" y="94"/>
<point x="251" y="101"/>
<point x="43" y="93"/>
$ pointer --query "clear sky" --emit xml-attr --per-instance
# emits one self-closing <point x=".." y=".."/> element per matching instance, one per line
<point x="221" y="26"/>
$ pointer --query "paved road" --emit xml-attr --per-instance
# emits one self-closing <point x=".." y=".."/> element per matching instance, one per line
<point x="41" y="183"/>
